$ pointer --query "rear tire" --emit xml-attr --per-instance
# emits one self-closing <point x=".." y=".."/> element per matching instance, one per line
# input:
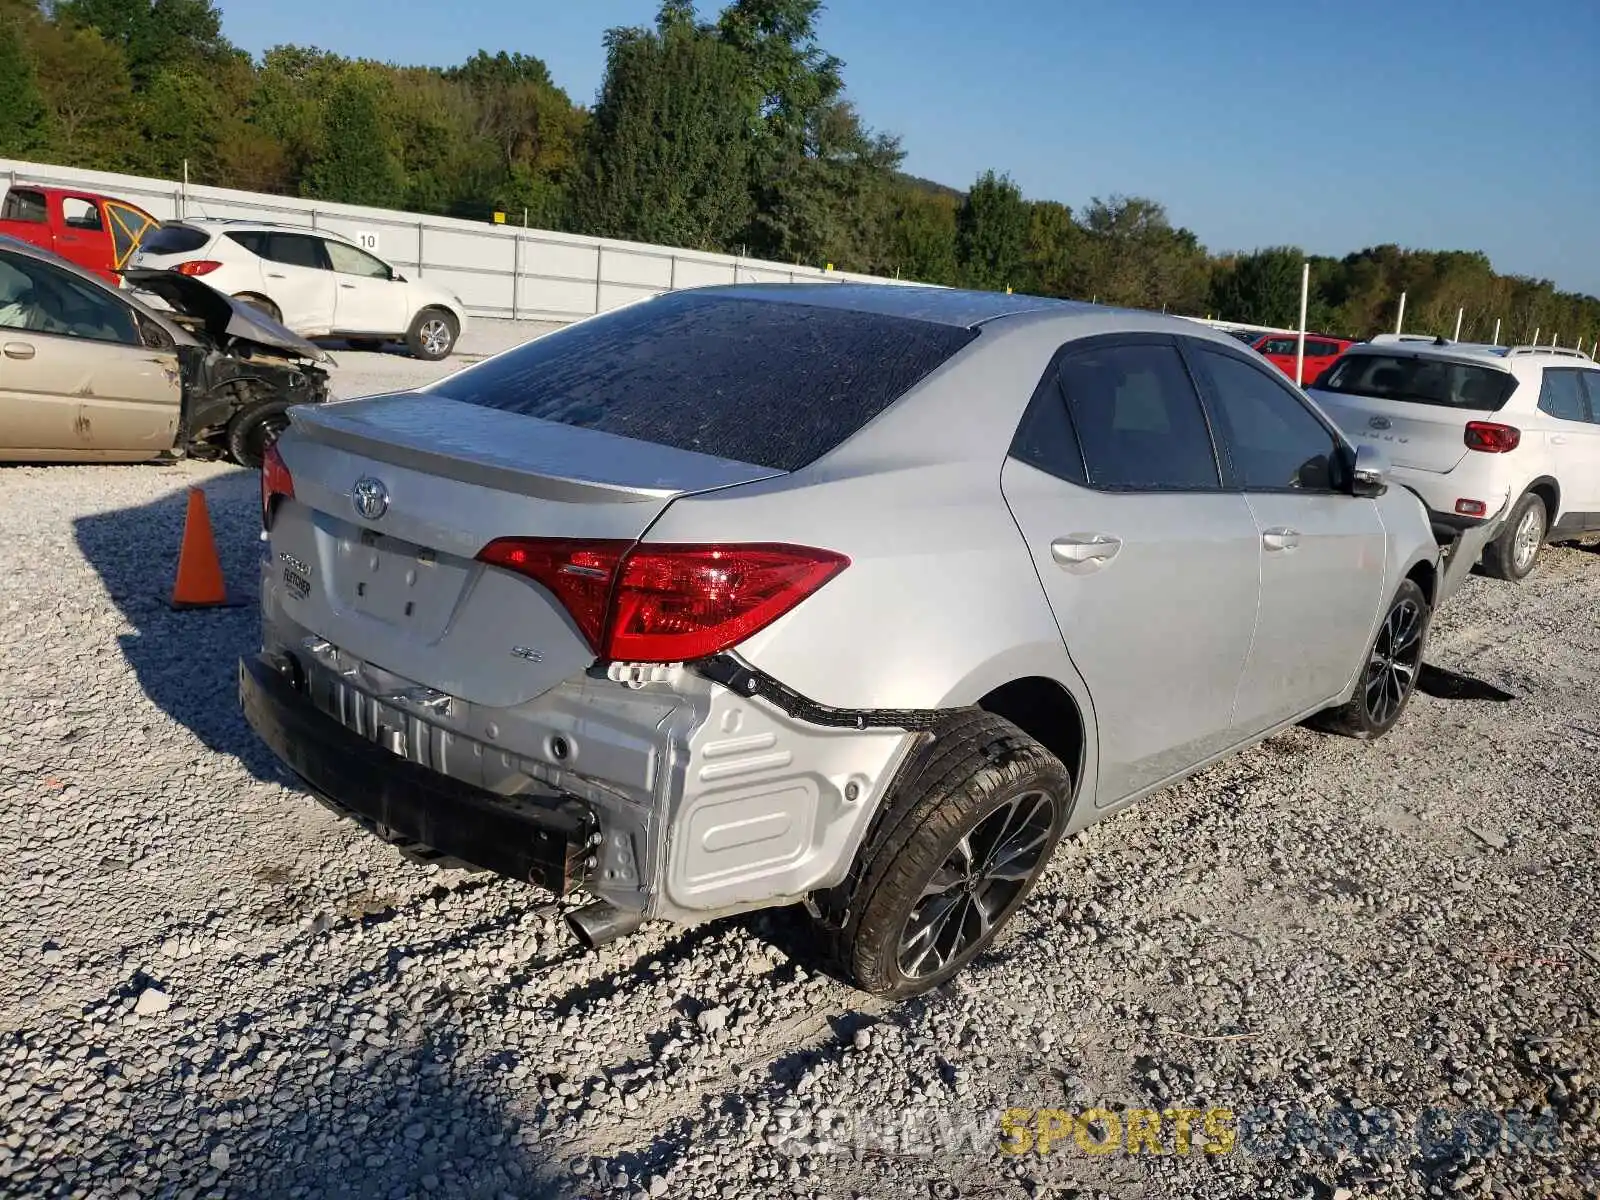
<point x="970" y="826"/>
<point x="1389" y="677"/>
<point x="255" y="428"/>
<point x="262" y="305"/>
<point x="1512" y="554"/>
<point x="432" y="335"/>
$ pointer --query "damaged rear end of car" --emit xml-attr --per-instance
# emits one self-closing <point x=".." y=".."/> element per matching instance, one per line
<point x="472" y="644"/>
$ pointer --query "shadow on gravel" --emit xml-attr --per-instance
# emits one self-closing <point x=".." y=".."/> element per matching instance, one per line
<point x="364" y="1122"/>
<point x="186" y="661"/>
<point x="1444" y="684"/>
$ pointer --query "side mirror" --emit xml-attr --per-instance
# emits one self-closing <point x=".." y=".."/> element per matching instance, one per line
<point x="1370" y="474"/>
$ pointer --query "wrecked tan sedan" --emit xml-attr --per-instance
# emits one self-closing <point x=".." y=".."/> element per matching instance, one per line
<point x="91" y="373"/>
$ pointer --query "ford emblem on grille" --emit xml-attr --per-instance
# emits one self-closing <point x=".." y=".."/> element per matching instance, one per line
<point x="370" y="497"/>
<point x="1379" y="422"/>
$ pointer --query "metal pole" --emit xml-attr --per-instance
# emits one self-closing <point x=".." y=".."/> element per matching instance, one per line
<point x="420" y="255"/>
<point x="1300" y="344"/>
<point x="672" y="275"/>
<point x="599" y="260"/>
<point x="1497" y="331"/>
<point x="1536" y="335"/>
<point x="1555" y="340"/>
<point x="1400" y="321"/>
<point x="516" y="271"/>
<point x="184" y="206"/>
<point x="1460" y="312"/>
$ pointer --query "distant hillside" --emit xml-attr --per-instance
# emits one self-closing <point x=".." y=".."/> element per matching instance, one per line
<point x="928" y="185"/>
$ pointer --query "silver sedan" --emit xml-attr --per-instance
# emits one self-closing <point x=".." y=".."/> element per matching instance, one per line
<point x="860" y="597"/>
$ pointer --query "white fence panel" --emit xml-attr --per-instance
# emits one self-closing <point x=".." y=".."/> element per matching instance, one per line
<point x="496" y="270"/>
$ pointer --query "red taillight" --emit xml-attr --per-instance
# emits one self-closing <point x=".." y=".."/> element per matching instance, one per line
<point x="1471" y="508"/>
<point x="275" y="482"/>
<point x="200" y="266"/>
<point x="1492" y="438"/>
<point x="579" y="574"/>
<point x="668" y="603"/>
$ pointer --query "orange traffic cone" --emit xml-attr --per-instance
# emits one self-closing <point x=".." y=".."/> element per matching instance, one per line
<point x="199" y="583"/>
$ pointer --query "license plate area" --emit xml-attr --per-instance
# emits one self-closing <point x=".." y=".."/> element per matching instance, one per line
<point x="397" y="582"/>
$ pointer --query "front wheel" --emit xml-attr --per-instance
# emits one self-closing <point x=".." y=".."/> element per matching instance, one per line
<point x="970" y="829"/>
<point x="1389" y="676"/>
<point x="255" y="428"/>
<point x="432" y="335"/>
<point x="1512" y="554"/>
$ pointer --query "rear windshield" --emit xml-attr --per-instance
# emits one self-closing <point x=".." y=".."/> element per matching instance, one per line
<point x="174" y="239"/>
<point x="772" y="384"/>
<point x="1419" y="379"/>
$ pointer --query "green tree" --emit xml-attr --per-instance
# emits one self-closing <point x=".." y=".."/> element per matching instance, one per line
<point x="88" y="97"/>
<point x="1053" y="241"/>
<point x="24" y="130"/>
<point x="1131" y="255"/>
<point x="1261" y="288"/>
<point x="357" y="161"/>
<point x="669" y="146"/>
<point x="154" y="34"/>
<point x="992" y="233"/>
<point x="920" y="235"/>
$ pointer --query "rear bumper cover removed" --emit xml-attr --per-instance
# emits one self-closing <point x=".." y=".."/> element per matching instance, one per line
<point x="543" y="839"/>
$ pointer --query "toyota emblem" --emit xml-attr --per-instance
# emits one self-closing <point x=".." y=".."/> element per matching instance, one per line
<point x="1379" y="422"/>
<point x="370" y="497"/>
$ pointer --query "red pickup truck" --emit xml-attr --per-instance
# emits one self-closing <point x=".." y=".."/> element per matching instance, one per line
<point x="97" y="232"/>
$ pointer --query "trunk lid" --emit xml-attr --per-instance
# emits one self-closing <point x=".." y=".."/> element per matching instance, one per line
<point x="387" y="570"/>
<point x="1424" y="437"/>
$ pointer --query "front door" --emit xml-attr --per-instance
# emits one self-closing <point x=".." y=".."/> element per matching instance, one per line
<point x="368" y="300"/>
<point x="1149" y="567"/>
<point x="1322" y="551"/>
<point x="82" y="236"/>
<point x="75" y="376"/>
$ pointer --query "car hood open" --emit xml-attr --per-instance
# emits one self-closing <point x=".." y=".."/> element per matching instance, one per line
<point x="223" y="316"/>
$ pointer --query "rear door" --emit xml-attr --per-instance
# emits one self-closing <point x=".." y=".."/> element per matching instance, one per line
<point x="1150" y="568"/>
<point x="1322" y="550"/>
<point x="367" y="300"/>
<point x="1567" y="397"/>
<point x="1415" y="407"/>
<point x="297" y="277"/>
<point x="76" y="377"/>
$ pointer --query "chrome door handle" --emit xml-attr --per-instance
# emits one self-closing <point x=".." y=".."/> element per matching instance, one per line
<point x="349" y="287"/>
<point x="1078" y="548"/>
<point x="18" y="350"/>
<point x="274" y="275"/>
<point x="1558" y="439"/>
<point x="1280" y="538"/>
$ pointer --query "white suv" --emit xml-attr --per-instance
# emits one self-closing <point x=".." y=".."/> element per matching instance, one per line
<point x="1475" y="428"/>
<point x="317" y="283"/>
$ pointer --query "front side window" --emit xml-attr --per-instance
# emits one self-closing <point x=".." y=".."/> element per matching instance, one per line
<point x="1420" y="379"/>
<point x="1591" y="384"/>
<point x="1272" y="440"/>
<point x="80" y="213"/>
<point x="43" y="299"/>
<point x="1281" y="346"/>
<point x="24" y="205"/>
<point x="296" y="250"/>
<point x="1561" y="395"/>
<point x="348" y="260"/>
<point x="1138" y="420"/>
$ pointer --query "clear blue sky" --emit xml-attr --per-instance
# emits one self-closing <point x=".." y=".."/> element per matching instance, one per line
<point x="1440" y="124"/>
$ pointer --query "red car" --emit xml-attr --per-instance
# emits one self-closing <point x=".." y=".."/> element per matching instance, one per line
<point x="1279" y="350"/>
<point x="97" y="232"/>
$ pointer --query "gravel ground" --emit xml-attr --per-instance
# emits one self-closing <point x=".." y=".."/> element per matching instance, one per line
<point x="213" y="987"/>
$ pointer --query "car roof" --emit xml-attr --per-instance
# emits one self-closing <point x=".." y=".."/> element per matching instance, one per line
<point x="1479" y="353"/>
<point x="265" y="226"/>
<point x="941" y="306"/>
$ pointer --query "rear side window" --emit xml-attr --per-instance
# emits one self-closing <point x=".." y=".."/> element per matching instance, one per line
<point x="773" y="384"/>
<point x="174" y="239"/>
<point x="1421" y="380"/>
<point x="252" y="240"/>
<point x="1561" y="395"/>
<point x="296" y="250"/>
<point x="1591" y="384"/>
<point x="1138" y="420"/>
<point x="23" y="205"/>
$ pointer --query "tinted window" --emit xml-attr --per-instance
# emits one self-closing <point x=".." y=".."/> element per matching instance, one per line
<point x="80" y="213"/>
<point x="296" y="250"/>
<point x="1561" y="395"/>
<point x="251" y="239"/>
<point x="1591" y="384"/>
<point x="43" y="299"/>
<point x="1280" y="346"/>
<point x="23" y="205"/>
<point x="1046" y="438"/>
<point x="350" y="261"/>
<point x="1272" y="440"/>
<point x="1423" y="380"/>
<point x="1138" y="419"/>
<point x="768" y="383"/>
<point x="174" y="239"/>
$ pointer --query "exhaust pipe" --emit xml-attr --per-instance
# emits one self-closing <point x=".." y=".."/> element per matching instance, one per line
<point x="596" y="924"/>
